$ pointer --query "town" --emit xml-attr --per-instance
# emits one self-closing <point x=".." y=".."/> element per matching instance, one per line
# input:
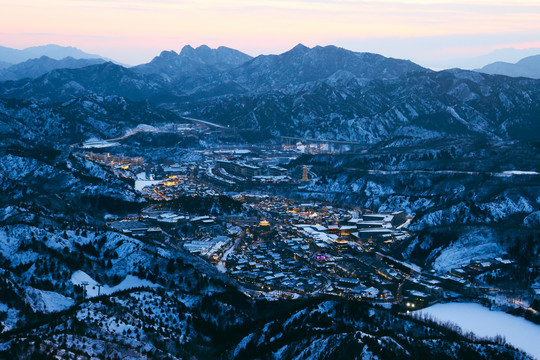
<point x="281" y="247"/>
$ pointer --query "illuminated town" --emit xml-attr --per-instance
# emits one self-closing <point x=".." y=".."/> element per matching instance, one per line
<point x="284" y="247"/>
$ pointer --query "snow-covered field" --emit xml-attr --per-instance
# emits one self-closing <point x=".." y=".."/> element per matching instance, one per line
<point x="80" y="277"/>
<point x="483" y="322"/>
<point x="141" y="182"/>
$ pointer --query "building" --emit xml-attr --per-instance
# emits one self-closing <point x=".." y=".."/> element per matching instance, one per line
<point x="395" y="218"/>
<point x="239" y="169"/>
<point x="374" y="234"/>
<point x="277" y="170"/>
<point x="370" y="224"/>
<point x="415" y="299"/>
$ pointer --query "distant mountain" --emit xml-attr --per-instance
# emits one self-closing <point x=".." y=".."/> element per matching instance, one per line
<point x="302" y="65"/>
<point x="36" y="67"/>
<point x="4" y="64"/>
<point x="193" y="62"/>
<point x="222" y="57"/>
<point x="527" y="67"/>
<point x="510" y="55"/>
<point x="204" y="72"/>
<point x="57" y="52"/>
<point x="105" y="79"/>
<point x="14" y="56"/>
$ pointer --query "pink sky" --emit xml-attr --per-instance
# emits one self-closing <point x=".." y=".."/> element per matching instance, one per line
<point x="133" y="31"/>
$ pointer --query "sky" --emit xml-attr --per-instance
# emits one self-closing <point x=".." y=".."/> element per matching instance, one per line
<point x="435" y="33"/>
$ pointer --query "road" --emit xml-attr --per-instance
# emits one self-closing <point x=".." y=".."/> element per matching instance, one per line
<point x="445" y="172"/>
<point x="160" y="194"/>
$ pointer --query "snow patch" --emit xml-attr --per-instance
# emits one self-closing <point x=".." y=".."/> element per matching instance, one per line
<point x="48" y="301"/>
<point x="141" y="182"/>
<point x="92" y="289"/>
<point x="475" y="245"/>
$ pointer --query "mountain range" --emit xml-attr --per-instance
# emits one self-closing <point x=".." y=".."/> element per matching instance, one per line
<point x="36" y="67"/>
<point x="527" y="67"/>
<point x="15" y="56"/>
<point x="201" y="61"/>
<point x="510" y="55"/>
<point x="325" y="92"/>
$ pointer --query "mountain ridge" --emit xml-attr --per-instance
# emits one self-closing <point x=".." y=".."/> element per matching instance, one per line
<point x="194" y="62"/>
<point x="325" y="92"/>
<point x="526" y="67"/>
<point x="33" y="68"/>
<point x="57" y="52"/>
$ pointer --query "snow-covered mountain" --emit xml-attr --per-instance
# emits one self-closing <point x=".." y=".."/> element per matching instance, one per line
<point x="197" y="62"/>
<point x="324" y="92"/>
<point x="302" y="66"/>
<point x="414" y="106"/>
<point x="105" y="79"/>
<point x="60" y="124"/>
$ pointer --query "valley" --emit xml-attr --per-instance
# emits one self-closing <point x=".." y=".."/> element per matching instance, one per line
<point x="213" y="205"/>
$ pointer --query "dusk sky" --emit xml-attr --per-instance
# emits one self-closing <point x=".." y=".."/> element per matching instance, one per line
<point x="133" y="31"/>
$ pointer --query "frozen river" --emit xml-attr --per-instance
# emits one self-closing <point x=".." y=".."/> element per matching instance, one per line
<point x="483" y="322"/>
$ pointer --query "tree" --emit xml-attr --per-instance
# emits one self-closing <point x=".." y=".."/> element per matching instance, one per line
<point x="171" y="266"/>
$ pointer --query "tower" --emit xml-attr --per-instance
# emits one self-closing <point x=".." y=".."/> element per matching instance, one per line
<point x="305" y="174"/>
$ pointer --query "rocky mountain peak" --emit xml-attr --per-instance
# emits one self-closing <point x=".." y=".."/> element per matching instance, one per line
<point x="187" y="50"/>
<point x="168" y="54"/>
<point x="193" y="62"/>
<point x="222" y="55"/>
<point x="299" y="48"/>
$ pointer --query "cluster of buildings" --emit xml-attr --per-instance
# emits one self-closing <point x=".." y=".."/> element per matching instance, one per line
<point x="236" y="173"/>
<point x="174" y="186"/>
<point x="211" y="248"/>
<point x="271" y="266"/>
<point x="115" y="161"/>
<point x="314" y="248"/>
<point x="289" y="248"/>
<point x="138" y="229"/>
